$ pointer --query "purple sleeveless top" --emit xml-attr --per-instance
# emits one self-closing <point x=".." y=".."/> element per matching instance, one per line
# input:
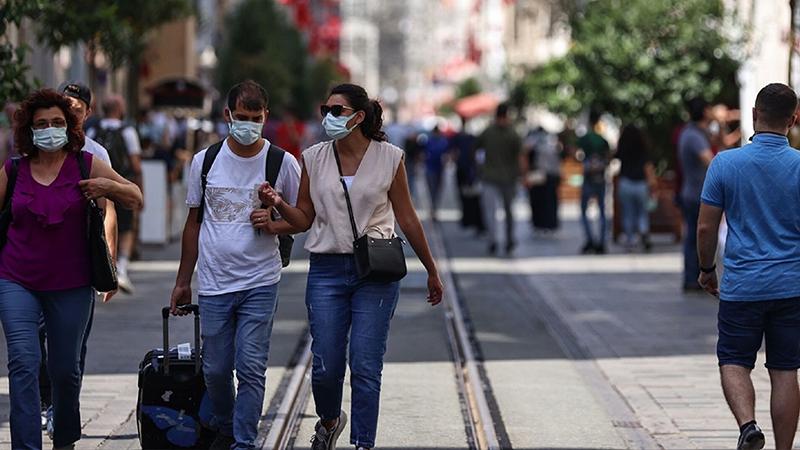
<point x="47" y="247"/>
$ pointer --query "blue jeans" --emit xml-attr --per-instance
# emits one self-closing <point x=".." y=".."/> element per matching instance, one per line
<point x="339" y="302"/>
<point x="633" y="196"/>
<point x="66" y="314"/>
<point x="691" y="263"/>
<point x="594" y="190"/>
<point x="236" y="329"/>
<point x="45" y="387"/>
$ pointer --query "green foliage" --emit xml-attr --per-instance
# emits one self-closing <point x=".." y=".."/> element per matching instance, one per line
<point x="119" y="27"/>
<point x="14" y="83"/>
<point x="640" y="60"/>
<point x="470" y="86"/>
<point x="261" y="44"/>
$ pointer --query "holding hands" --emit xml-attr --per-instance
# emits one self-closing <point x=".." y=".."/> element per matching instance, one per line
<point x="269" y="197"/>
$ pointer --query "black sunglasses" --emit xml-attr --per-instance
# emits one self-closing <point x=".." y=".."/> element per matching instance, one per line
<point x="335" y="110"/>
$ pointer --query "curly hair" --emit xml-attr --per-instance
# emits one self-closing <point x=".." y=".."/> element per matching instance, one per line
<point x="23" y="122"/>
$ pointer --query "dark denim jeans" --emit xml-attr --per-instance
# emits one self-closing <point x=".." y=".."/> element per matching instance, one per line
<point x="691" y="263"/>
<point x="236" y="329"/>
<point x="66" y="314"/>
<point x="339" y="303"/>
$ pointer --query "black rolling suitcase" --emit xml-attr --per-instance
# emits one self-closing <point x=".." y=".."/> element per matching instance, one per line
<point x="173" y="410"/>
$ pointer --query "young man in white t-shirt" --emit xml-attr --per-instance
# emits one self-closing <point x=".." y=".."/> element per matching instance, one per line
<point x="238" y="265"/>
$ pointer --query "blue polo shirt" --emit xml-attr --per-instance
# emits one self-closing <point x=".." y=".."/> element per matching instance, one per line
<point x="758" y="187"/>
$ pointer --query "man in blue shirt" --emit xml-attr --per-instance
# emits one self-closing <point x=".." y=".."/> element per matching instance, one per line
<point x="758" y="188"/>
<point x="694" y="154"/>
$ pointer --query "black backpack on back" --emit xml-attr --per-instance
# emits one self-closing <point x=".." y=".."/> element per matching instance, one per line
<point x="275" y="156"/>
<point x="114" y="142"/>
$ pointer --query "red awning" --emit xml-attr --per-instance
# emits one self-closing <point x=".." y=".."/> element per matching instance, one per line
<point x="476" y="105"/>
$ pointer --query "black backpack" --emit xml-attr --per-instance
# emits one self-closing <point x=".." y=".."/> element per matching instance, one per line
<point x="114" y="142"/>
<point x="275" y="156"/>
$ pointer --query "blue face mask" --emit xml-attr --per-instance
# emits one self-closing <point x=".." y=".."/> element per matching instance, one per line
<point x="336" y="127"/>
<point x="50" y="139"/>
<point x="244" y="131"/>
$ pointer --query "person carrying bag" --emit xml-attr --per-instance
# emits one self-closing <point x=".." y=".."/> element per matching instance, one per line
<point x="353" y="279"/>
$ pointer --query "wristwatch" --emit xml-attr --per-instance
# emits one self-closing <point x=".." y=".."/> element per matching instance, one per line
<point x="708" y="269"/>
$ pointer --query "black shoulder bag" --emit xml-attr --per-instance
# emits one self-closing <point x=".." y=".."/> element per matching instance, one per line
<point x="275" y="156"/>
<point x="5" y="215"/>
<point x="103" y="270"/>
<point x="377" y="259"/>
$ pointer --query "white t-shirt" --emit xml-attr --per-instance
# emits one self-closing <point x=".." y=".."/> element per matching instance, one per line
<point x="93" y="147"/>
<point x="129" y="134"/>
<point x="232" y="256"/>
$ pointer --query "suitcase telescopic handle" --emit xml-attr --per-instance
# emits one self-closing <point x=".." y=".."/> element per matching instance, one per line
<point x="195" y="309"/>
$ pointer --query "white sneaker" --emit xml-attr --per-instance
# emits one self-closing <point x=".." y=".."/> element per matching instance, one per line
<point x="125" y="284"/>
<point x="44" y="419"/>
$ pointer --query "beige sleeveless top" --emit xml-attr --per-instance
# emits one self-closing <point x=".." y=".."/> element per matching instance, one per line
<point x="331" y="231"/>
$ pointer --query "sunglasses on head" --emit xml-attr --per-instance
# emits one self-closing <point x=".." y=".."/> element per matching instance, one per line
<point x="335" y="110"/>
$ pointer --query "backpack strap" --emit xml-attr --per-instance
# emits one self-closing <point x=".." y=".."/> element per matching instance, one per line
<point x="208" y="161"/>
<point x="275" y="156"/>
<point x="12" y="182"/>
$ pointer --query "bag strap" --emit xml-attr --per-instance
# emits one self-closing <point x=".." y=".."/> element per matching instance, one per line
<point x="82" y="166"/>
<point x="208" y="161"/>
<point x="12" y="182"/>
<point x="346" y="192"/>
<point x="85" y="175"/>
<point x="275" y="156"/>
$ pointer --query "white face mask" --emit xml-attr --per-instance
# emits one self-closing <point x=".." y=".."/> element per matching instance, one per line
<point x="50" y="139"/>
<point x="244" y="131"/>
<point x="336" y="127"/>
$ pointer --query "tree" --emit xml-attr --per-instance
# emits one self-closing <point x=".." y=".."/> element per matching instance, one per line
<point x="261" y="44"/>
<point x="14" y="82"/>
<point x="468" y="87"/>
<point x="640" y="60"/>
<point x="121" y="29"/>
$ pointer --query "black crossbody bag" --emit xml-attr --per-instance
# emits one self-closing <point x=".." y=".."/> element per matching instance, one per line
<point x="103" y="270"/>
<point x="377" y="259"/>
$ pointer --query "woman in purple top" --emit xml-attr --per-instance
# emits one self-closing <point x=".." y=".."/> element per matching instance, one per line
<point x="45" y="264"/>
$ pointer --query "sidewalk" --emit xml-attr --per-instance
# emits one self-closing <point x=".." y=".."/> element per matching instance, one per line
<point x="628" y="321"/>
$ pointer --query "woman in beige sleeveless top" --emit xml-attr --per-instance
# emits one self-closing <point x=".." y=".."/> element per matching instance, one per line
<point x="339" y="302"/>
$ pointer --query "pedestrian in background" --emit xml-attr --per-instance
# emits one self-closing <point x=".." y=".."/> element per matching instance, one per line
<point x="462" y="145"/>
<point x="637" y="181"/>
<point x="543" y="178"/>
<point x="503" y="166"/>
<point x="757" y="187"/>
<point x="596" y="155"/>
<point x="435" y="154"/>
<point x="122" y="142"/>
<point x="413" y="149"/>
<point x="339" y="303"/>
<point x="238" y="267"/>
<point x="45" y="263"/>
<point x="694" y="154"/>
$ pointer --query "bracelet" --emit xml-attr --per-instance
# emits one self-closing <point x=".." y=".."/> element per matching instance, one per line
<point x="709" y="269"/>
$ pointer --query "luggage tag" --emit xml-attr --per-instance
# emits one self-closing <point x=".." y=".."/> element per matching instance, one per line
<point x="184" y="351"/>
